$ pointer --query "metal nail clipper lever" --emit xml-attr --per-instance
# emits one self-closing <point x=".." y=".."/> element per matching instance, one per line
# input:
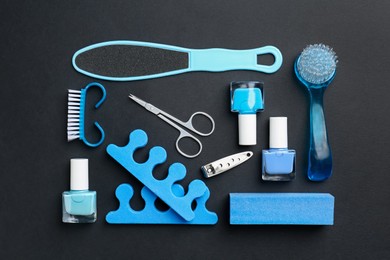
<point x="225" y="164"/>
<point x="173" y="121"/>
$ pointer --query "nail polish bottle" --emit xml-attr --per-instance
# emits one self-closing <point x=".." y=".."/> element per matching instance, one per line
<point x="79" y="204"/>
<point x="247" y="99"/>
<point x="278" y="161"/>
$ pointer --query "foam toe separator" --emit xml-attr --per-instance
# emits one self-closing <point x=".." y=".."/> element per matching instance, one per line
<point x="281" y="209"/>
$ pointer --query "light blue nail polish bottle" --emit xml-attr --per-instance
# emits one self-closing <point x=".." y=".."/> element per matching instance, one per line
<point x="278" y="161"/>
<point x="247" y="99"/>
<point x="79" y="204"/>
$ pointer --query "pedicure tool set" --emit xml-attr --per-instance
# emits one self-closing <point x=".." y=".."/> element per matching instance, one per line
<point x="315" y="68"/>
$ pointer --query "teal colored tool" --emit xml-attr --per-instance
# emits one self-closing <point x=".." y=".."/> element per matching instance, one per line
<point x="76" y="114"/>
<point x="133" y="60"/>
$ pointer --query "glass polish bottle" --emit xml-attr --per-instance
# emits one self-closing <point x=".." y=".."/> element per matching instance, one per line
<point x="247" y="99"/>
<point x="278" y="162"/>
<point x="79" y="204"/>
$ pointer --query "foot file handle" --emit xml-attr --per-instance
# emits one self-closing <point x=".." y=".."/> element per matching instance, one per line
<point x="224" y="59"/>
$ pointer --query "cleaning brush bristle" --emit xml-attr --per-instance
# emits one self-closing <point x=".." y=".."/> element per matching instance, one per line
<point x="74" y="103"/>
<point x="317" y="63"/>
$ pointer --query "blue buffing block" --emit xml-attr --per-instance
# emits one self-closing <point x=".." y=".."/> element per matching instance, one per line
<point x="281" y="209"/>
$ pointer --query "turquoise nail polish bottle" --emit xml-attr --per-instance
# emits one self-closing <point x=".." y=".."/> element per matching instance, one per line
<point x="79" y="204"/>
<point x="247" y="99"/>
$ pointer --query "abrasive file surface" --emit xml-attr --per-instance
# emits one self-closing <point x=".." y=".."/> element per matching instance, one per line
<point x="130" y="61"/>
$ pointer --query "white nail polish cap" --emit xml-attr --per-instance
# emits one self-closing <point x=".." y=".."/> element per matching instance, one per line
<point x="278" y="132"/>
<point x="247" y="129"/>
<point x="79" y="174"/>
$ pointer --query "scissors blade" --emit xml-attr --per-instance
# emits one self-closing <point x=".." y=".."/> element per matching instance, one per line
<point x="146" y="105"/>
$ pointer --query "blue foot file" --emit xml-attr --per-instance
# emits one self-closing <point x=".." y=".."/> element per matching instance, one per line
<point x="281" y="209"/>
<point x="134" y="60"/>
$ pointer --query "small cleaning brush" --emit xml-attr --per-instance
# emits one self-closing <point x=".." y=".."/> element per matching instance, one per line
<point x="76" y="114"/>
<point x="315" y="68"/>
<point x="317" y="65"/>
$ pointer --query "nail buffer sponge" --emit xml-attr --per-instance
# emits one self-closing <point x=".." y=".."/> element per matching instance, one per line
<point x="281" y="209"/>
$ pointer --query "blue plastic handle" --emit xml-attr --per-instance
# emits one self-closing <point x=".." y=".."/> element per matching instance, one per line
<point x="224" y="59"/>
<point x="82" y="107"/>
<point x="320" y="155"/>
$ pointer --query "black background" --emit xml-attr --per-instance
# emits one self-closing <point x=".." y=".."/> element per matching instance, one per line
<point x="38" y="39"/>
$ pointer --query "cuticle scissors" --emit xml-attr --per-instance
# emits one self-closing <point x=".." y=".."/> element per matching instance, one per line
<point x="173" y="121"/>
